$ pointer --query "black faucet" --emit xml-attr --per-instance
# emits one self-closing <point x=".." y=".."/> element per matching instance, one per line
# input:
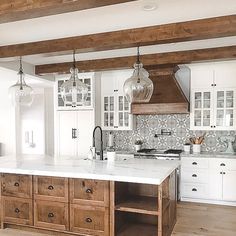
<point x="101" y="149"/>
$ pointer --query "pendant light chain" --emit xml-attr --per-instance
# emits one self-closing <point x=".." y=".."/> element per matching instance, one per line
<point x="21" y="74"/>
<point x="138" y="62"/>
<point x="74" y="67"/>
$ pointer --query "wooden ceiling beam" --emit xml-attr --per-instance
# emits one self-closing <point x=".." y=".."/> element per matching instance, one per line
<point x="170" y="33"/>
<point x="24" y="9"/>
<point x="151" y="61"/>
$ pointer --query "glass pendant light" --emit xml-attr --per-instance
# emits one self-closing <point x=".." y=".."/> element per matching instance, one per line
<point x="21" y="93"/>
<point x="138" y="88"/>
<point x="74" y="92"/>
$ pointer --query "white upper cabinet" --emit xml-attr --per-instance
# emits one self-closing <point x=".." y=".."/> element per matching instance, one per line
<point x="115" y="109"/>
<point x="213" y="96"/>
<point x="86" y="78"/>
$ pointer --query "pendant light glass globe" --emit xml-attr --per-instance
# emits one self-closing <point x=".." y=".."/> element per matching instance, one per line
<point x="138" y="88"/>
<point x="73" y="91"/>
<point x="21" y="93"/>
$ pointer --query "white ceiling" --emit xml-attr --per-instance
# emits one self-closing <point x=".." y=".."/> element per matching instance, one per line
<point x="111" y="18"/>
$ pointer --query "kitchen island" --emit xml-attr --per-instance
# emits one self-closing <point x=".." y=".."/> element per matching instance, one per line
<point x="88" y="197"/>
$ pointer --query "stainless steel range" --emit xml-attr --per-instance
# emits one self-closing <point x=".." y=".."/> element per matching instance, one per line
<point x="168" y="155"/>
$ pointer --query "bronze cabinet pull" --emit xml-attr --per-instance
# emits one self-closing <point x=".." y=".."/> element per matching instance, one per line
<point x="194" y="190"/>
<point x="194" y="175"/>
<point x="89" y="220"/>
<point x="89" y="190"/>
<point x="17" y="210"/>
<point x="16" y="184"/>
<point x="50" y="187"/>
<point x="50" y="215"/>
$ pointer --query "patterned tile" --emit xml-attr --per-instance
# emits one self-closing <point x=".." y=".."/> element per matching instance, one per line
<point x="149" y="125"/>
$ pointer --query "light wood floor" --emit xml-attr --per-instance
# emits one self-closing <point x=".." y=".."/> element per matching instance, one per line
<point x="193" y="220"/>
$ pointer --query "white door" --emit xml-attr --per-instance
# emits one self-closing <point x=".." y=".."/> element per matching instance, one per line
<point x="85" y="126"/>
<point x="215" y="184"/>
<point x="67" y="125"/>
<point x="202" y="109"/>
<point x="224" y="106"/>
<point x="229" y="189"/>
<point x="225" y="74"/>
<point x="202" y="76"/>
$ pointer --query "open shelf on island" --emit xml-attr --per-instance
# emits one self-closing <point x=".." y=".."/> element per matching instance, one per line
<point x="137" y="229"/>
<point x="133" y="224"/>
<point x="139" y="204"/>
<point x="139" y="198"/>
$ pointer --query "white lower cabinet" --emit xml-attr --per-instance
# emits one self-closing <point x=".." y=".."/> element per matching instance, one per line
<point x="210" y="180"/>
<point x="229" y="189"/>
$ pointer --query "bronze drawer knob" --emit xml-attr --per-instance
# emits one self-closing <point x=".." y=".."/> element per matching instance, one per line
<point x="17" y="210"/>
<point x="89" y="190"/>
<point x="89" y="220"/>
<point x="50" y="215"/>
<point x="16" y="184"/>
<point x="50" y="187"/>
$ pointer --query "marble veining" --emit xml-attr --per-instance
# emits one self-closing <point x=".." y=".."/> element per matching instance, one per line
<point x="130" y="170"/>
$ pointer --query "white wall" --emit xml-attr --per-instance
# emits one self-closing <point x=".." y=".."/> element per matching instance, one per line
<point x="7" y="115"/>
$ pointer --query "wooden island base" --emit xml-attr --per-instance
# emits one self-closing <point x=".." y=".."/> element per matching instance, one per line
<point x="66" y="207"/>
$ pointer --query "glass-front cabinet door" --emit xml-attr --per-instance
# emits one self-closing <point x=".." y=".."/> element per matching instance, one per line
<point x="61" y="105"/>
<point x="202" y="112"/>
<point x="108" y="111"/>
<point x="225" y="108"/>
<point x="123" y="112"/>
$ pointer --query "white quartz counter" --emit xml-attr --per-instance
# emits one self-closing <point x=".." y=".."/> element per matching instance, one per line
<point x="130" y="170"/>
<point x="209" y="155"/>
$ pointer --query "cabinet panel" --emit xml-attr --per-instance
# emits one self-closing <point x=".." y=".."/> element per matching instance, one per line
<point x="87" y="79"/>
<point x="15" y="185"/>
<point x="194" y="176"/>
<point x="215" y="184"/>
<point x="194" y="190"/>
<point x="224" y="106"/>
<point x="89" y="220"/>
<point x="52" y="215"/>
<point x="202" y="76"/>
<point x="202" y="116"/>
<point x="67" y="125"/>
<point x="195" y="163"/>
<point x="51" y="188"/>
<point x="17" y="210"/>
<point x="92" y="192"/>
<point x="229" y="190"/>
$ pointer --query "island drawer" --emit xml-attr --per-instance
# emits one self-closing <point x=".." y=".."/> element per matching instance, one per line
<point x="17" y="211"/>
<point x="89" y="220"/>
<point x="52" y="215"/>
<point x="51" y="188"/>
<point x="15" y="185"/>
<point x="92" y="192"/>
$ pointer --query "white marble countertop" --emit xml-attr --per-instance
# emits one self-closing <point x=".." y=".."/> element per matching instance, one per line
<point x="130" y="170"/>
<point x="209" y="155"/>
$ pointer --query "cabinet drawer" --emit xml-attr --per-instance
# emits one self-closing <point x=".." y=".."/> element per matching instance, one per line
<point x="194" y="175"/>
<point x="223" y="164"/>
<point x="52" y="215"/>
<point x="17" y="185"/>
<point x="193" y="190"/>
<point x="17" y="210"/>
<point x="51" y="188"/>
<point x="89" y="220"/>
<point x="198" y="163"/>
<point x="92" y="192"/>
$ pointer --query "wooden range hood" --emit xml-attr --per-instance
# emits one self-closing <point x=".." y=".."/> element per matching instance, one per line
<point x="167" y="98"/>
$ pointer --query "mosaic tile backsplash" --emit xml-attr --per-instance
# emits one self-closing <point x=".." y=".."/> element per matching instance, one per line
<point x="179" y="125"/>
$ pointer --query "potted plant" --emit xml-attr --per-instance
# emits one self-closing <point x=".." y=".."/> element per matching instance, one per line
<point x="138" y="144"/>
